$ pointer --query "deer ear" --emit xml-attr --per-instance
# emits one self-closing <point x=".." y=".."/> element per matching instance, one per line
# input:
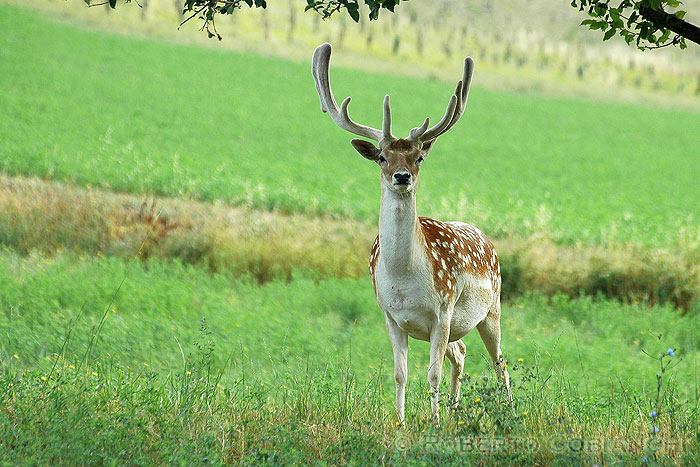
<point x="367" y="149"/>
<point x="427" y="146"/>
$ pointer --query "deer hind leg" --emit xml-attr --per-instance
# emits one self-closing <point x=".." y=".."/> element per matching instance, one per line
<point x="490" y="332"/>
<point x="439" y="338"/>
<point x="455" y="354"/>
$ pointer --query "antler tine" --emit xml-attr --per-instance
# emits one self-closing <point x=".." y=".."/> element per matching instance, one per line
<point x="386" y="121"/>
<point x="455" y="108"/>
<point x="319" y="69"/>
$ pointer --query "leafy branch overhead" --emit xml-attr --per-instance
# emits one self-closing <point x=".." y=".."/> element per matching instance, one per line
<point x="648" y="24"/>
<point x="207" y="10"/>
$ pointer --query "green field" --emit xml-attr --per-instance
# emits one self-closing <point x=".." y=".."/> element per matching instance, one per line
<point x="226" y="341"/>
<point x="144" y="116"/>
<point x="283" y="344"/>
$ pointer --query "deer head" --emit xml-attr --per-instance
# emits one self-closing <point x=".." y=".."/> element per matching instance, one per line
<point x="399" y="158"/>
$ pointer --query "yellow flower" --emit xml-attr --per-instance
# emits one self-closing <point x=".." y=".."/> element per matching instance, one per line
<point x="10" y="385"/>
<point x="43" y="378"/>
<point x="71" y="366"/>
<point x="520" y="360"/>
<point x="461" y="422"/>
<point x="94" y="373"/>
<point x="525" y="414"/>
<point x="16" y="356"/>
<point x="189" y="373"/>
<point x="398" y="423"/>
<point x="477" y="400"/>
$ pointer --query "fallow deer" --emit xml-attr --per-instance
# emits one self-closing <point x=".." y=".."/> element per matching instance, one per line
<point x="435" y="281"/>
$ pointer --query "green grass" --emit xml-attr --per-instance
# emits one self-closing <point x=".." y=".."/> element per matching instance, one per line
<point x="268" y="326"/>
<point x="264" y="352"/>
<point x="145" y="116"/>
<point x="189" y="363"/>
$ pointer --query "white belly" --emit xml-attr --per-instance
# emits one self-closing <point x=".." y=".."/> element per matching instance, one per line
<point x="412" y="304"/>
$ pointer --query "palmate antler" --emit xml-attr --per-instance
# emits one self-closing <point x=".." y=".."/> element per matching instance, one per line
<point x="340" y="116"/>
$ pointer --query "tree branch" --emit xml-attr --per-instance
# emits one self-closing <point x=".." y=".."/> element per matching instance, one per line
<point x="672" y="22"/>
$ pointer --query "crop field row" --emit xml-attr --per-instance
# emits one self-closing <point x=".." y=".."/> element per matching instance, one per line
<point x="144" y="116"/>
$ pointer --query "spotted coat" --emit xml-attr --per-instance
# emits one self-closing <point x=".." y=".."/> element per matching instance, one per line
<point x="454" y="249"/>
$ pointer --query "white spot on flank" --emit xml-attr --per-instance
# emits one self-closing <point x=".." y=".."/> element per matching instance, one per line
<point x="440" y="274"/>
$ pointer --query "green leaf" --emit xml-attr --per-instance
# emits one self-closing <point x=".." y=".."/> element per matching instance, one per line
<point x="609" y="34"/>
<point x="354" y="14"/>
<point x="113" y="4"/>
<point x="672" y="3"/>
<point x="680" y="14"/>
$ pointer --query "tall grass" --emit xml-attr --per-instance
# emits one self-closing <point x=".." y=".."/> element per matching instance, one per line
<point x="198" y="412"/>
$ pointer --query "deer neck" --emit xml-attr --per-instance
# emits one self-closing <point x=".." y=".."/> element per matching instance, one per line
<point x="401" y="240"/>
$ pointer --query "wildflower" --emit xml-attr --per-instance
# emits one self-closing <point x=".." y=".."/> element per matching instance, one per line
<point x="645" y="460"/>
<point x="653" y="414"/>
<point x="398" y="423"/>
<point x="71" y="366"/>
<point x="477" y="400"/>
<point x="16" y="356"/>
<point x="461" y="422"/>
<point x="43" y="378"/>
<point x="520" y="360"/>
<point x="94" y="373"/>
<point x="655" y="429"/>
<point x="671" y="353"/>
<point x="525" y="414"/>
<point x="201" y="320"/>
<point x="189" y="373"/>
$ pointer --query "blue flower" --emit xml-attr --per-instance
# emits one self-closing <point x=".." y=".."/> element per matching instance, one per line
<point x="671" y="353"/>
<point x="645" y="460"/>
<point x="653" y="414"/>
<point x="655" y="429"/>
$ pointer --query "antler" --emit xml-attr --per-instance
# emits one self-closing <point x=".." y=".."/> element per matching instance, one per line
<point x="321" y="61"/>
<point x="455" y="108"/>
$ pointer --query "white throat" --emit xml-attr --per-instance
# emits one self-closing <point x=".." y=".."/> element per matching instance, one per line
<point x="401" y="240"/>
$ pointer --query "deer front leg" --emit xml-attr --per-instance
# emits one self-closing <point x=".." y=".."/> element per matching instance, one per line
<point x="399" y="342"/>
<point x="438" y="345"/>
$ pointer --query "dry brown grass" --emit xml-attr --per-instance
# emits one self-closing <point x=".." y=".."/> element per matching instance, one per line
<point x="50" y="216"/>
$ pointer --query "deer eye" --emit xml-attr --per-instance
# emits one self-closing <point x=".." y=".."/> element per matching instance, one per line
<point x="419" y="160"/>
<point x="381" y="160"/>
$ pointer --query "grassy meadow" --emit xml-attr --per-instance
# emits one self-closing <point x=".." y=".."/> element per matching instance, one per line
<point x="183" y="250"/>
<point x="143" y="116"/>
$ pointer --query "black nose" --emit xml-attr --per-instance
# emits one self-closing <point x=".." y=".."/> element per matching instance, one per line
<point x="402" y="177"/>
